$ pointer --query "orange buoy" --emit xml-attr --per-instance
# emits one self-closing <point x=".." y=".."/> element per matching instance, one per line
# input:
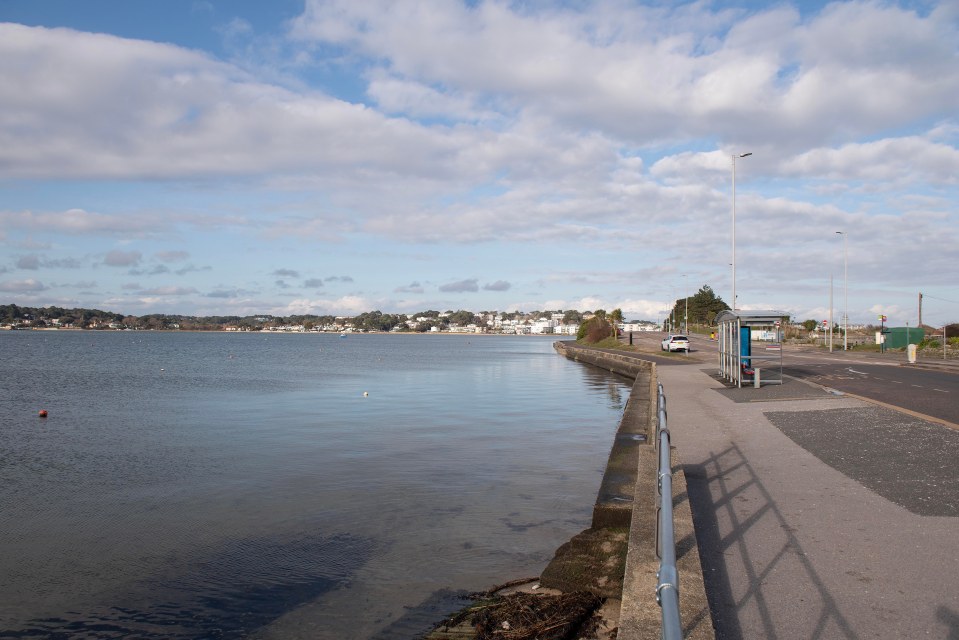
<point x="43" y="413"/>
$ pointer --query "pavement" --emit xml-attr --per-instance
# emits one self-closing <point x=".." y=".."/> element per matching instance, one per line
<point x="817" y="515"/>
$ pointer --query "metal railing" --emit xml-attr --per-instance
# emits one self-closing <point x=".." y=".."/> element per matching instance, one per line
<point x="667" y="587"/>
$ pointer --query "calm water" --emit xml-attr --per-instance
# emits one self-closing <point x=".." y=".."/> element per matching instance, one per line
<point x="226" y="486"/>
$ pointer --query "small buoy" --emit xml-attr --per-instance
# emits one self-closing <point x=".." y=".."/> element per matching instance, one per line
<point x="366" y="394"/>
<point x="43" y="413"/>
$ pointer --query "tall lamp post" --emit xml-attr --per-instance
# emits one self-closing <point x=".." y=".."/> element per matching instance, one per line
<point x="845" y="293"/>
<point x="734" y="156"/>
<point x="686" y="313"/>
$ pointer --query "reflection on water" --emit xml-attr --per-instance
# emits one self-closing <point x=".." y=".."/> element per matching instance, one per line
<point x="613" y="385"/>
<point x="224" y="593"/>
<point x="214" y="485"/>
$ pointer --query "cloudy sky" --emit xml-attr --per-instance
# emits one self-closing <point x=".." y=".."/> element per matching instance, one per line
<point x="334" y="156"/>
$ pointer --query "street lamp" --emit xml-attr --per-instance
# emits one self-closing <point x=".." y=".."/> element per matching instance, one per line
<point x="734" y="156"/>
<point x="686" y="313"/>
<point x="845" y="287"/>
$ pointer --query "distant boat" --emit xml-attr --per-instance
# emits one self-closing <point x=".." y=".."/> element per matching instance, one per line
<point x="342" y="335"/>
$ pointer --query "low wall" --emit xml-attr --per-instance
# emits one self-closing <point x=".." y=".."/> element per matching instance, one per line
<point x="628" y="497"/>
<point x="624" y="365"/>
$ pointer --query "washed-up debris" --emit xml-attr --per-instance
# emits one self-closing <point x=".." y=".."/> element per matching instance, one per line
<point x="528" y="616"/>
<point x="566" y="602"/>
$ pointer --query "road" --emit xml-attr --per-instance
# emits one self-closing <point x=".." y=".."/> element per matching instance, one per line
<point x="880" y="378"/>
<point x="929" y="393"/>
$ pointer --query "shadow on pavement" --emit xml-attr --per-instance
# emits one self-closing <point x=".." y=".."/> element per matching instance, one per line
<point x="951" y="619"/>
<point x="737" y="521"/>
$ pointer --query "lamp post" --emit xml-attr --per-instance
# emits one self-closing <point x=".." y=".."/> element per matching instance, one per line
<point x="686" y="313"/>
<point x="734" y="156"/>
<point x="845" y="292"/>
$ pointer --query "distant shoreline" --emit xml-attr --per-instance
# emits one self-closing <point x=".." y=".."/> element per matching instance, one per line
<point x="321" y="333"/>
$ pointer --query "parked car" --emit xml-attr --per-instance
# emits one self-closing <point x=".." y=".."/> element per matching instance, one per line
<point x="676" y="343"/>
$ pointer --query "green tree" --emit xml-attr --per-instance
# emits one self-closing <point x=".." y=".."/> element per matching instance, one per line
<point x="809" y="325"/>
<point x="595" y="329"/>
<point x="9" y="312"/>
<point x="704" y="306"/>
<point x="462" y="318"/>
<point x="376" y="321"/>
<point x="616" y="319"/>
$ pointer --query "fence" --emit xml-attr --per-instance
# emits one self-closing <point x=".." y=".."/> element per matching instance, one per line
<point x="667" y="587"/>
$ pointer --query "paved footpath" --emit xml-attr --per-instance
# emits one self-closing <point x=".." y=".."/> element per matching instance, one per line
<point x="817" y="516"/>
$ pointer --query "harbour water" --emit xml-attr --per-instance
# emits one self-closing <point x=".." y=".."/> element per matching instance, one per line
<point x="209" y="485"/>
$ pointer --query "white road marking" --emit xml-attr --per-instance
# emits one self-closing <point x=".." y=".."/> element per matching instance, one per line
<point x="843" y="360"/>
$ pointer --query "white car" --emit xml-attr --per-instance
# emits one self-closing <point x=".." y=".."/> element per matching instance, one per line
<point x="676" y="343"/>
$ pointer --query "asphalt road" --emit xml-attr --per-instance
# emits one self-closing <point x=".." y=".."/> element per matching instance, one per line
<point x="930" y="393"/>
<point x="877" y="377"/>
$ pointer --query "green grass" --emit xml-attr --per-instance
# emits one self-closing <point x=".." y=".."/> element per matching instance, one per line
<point x="607" y="343"/>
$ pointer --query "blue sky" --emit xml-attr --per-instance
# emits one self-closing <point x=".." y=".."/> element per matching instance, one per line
<point x="332" y="156"/>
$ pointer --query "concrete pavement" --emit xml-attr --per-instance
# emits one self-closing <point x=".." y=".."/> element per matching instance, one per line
<point x="817" y="516"/>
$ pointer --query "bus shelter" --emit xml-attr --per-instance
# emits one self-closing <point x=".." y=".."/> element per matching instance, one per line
<point x="750" y="347"/>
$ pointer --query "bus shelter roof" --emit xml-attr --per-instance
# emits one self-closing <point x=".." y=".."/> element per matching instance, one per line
<point x="751" y="318"/>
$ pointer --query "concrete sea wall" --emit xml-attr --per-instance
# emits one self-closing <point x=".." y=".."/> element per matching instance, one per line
<point x="627" y="500"/>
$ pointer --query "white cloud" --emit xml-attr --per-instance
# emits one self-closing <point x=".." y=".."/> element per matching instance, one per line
<point x="644" y="309"/>
<point x="499" y="285"/>
<point x="345" y="305"/>
<point x="30" y="262"/>
<point x="650" y="73"/>
<point x="413" y="287"/>
<point x="408" y="97"/>
<point x="889" y="162"/>
<point x="460" y="286"/>
<point x="117" y="258"/>
<point x="172" y="256"/>
<point x="534" y="136"/>
<point x="632" y="309"/>
<point x="21" y="286"/>
<point x="169" y="291"/>
<point x="80" y="222"/>
<point x="183" y="115"/>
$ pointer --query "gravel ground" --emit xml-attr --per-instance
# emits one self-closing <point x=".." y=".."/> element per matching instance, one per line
<point x="905" y="460"/>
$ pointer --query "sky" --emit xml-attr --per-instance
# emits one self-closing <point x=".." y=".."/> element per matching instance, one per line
<point x="238" y="157"/>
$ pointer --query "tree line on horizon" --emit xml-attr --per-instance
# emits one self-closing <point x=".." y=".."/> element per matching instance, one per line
<point x="367" y="321"/>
